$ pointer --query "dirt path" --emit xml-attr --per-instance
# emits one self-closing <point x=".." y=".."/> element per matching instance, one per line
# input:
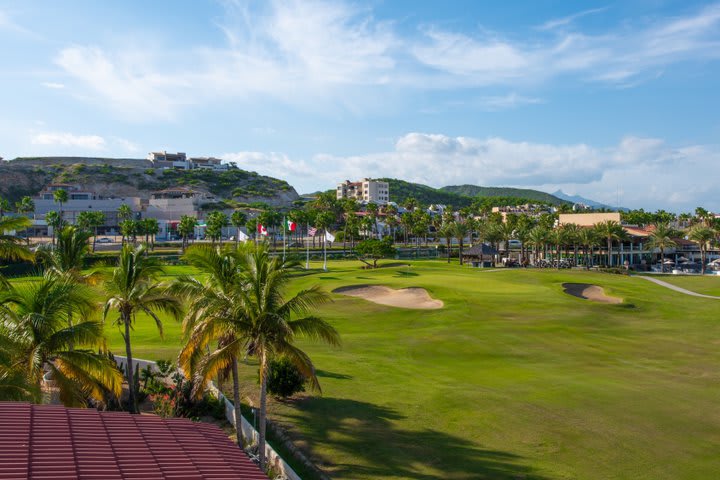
<point x="676" y="288"/>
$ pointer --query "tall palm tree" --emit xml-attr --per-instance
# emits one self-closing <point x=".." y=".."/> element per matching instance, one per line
<point x="702" y="235"/>
<point x="272" y="321"/>
<point x="557" y="238"/>
<point x="611" y="231"/>
<point x="460" y="231"/>
<point x="588" y="239"/>
<point x="53" y="219"/>
<point x="447" y="232"/>
<point x="537" y="238"/>
<point x="133" y="287"/>
<point x="572" y="237"/>
<point x="35" y="316"/>
<point x="61" y="196"/>
<point x="661" y="238"/>
<point x="186" y="227"/>
<point x="212" y="318"/>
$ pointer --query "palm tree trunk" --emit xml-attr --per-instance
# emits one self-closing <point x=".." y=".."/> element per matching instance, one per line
<point x="236" y="399"/>
<point x="130" y="372"/>
<point x="263" y="412"/>
<point x="94" y="239"/>
<point x="609" y="245"/>
<point x="460" y="246"/>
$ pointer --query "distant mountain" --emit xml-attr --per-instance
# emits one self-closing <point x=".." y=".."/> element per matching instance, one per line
<point x="400" y="190"/>
<point x="579" y="199"/>
<point x="524" y="193"/>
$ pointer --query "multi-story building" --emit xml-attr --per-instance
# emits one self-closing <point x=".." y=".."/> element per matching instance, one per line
<point x="173" y="203"/>
<point x="180" y="161"/>
<point x="80" y="201"/>
<point x="366" y="190"/>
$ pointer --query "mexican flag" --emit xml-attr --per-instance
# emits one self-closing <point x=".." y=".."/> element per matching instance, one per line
<point x="262" y="230"/>
<point x="290" y="225"/>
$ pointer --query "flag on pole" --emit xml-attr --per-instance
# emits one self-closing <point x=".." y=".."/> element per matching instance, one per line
<point x="262" y="230"/>
<point x="329" y="236"/>
<point x="241" y="236"/>
<point x="290" y="225"/>
<point x="312" y="231"/>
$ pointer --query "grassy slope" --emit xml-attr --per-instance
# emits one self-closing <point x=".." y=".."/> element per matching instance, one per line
<point x="512" y="379"/>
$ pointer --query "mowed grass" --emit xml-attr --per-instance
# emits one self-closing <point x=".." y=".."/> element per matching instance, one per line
<point x="707" y="285"/>
<point x="511" y="379"/>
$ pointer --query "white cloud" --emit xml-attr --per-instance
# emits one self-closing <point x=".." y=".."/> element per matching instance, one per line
<point x="505" y="102"/>
<point x="314" y="53"/>
<point x="53" y="85"/>
<point x="563" y="21"/>
<point x="647" y="170"/>
<point x="63" y="139"/>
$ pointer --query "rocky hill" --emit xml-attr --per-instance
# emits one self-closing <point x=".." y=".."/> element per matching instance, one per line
<point x="136" y="178"/>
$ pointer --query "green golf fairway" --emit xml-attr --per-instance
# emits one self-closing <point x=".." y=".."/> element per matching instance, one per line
<point x="512" y="378"/>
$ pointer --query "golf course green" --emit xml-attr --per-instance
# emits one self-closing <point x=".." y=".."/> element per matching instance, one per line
<point x="513" y="378"/>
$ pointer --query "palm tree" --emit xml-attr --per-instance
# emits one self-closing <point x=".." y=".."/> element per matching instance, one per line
<point x="11" y="246"/>
<point x="661" y="238"/>
<point x="89" y="220"/>
<point x="53" y="220"/>
<point x="152" y="228"/>
<point x="25" y="205"/>
<point x="212" y="318"/>
<point x="588" y="239"/>
<point x="611" y="231"/>
<point x="446" y="231"/>
<point x="538" y="238"/>
<point x="572" y="237"/>
<point x="61" y="196"/>
<point x="35" y="316"/>
<point x="702" y="235"/>
<point x="133" y="288"/>
<point x="557" y="238"/>
<point x="506" y="230"/>
<point x="460" y="231"/>
<point x="238" y="219"/>
<point x="4" y="206"/>
<point x="14" y="383"/>
<point x="185" y="228"/>
<point x="272" y="321"/>
<point x="69" y="254"/>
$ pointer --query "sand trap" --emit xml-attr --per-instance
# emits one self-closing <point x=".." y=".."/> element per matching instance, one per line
<point x="414" y="297"/>
<point x="589" y="292"/>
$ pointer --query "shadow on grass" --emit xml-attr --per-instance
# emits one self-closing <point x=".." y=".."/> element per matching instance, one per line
<point x="367" y="432"/>
<point x="328" y="278"/>
<point x="326" y="374"/>
<point x="404" y="273"/>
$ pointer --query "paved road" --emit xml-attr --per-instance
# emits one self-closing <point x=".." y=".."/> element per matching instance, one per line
<point x="676" y="288"/>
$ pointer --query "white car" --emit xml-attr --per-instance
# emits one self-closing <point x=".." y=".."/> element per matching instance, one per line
<point x="104" y="240"/>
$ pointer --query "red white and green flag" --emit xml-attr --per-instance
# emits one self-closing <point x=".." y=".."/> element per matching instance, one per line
<point x="290" y="225"/>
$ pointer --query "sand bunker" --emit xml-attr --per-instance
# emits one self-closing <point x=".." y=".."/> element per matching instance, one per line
<point x="589" y="292"/>
<point x="417" y="298"/>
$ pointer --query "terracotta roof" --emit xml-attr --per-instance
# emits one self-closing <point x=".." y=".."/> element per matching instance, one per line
<point x="54" y="442"/>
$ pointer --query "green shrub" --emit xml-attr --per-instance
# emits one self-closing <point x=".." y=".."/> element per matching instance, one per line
<point x="284" y="378"/>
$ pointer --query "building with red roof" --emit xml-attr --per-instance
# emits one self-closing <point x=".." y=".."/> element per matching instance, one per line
<point x="55" y="442"/>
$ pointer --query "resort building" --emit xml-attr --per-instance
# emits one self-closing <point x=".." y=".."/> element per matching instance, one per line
<point x="173" y="203"/>
<point x="366" y="190"/>
<point x="80" y="200"/>
<point x="180" y="161"/>
<point x="588" y="219"/>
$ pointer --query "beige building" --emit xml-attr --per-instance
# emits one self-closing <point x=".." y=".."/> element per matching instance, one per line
<point x="366" y="190"/>
<point x="588" y="219"/>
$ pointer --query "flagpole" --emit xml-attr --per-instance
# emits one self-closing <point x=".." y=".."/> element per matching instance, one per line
<point x="284" y="234"/>
<point x="307" y="247"/>
<point x="325" y="251"/>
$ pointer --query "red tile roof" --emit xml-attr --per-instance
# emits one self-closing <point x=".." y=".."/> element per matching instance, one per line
<point x="54" y="442"/>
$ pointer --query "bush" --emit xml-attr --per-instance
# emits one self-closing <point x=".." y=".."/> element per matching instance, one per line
<point x="284" y="378"/>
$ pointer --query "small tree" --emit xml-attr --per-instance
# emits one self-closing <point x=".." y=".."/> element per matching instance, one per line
<point x="284" y="378"/>
<point x="53" y="220"/>
<point x="61" y="196"/>
<point x="216" y="221"/>
<point x="374" y="249"/>
<point x="185" y="228"/>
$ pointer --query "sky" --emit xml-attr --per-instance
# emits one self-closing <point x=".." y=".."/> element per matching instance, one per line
<point x="615" y="101"/>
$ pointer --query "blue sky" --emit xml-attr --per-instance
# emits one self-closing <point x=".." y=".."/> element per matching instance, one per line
<point x="604" y="99"/>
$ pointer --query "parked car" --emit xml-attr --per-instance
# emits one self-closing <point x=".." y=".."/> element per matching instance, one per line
<point x="104" y="240"/>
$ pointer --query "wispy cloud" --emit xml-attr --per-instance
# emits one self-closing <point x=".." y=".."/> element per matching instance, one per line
<point x="53" y="85"/>
<point x="64" y="139"/>
<point x="563" y="21"/>
<point x="506" y="102"/>
<point x="313" y="53"/>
